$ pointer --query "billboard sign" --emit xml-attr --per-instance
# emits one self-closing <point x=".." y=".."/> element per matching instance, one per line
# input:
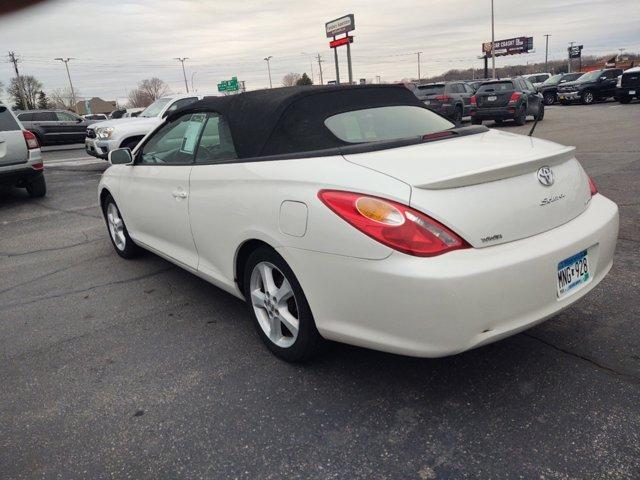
<point x="510" y="46"/>
<point x="575" y="51"/>
<point x="340" y="25"/>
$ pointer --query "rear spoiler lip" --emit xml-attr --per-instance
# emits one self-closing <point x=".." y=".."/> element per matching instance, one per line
<point x="500" y="172"/>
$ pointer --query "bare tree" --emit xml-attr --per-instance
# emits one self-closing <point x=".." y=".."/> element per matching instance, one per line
<point x="290" y="79"/>
<point x="30" y="86"/>
<point x="154" y="88"/>
<point x="63" y="98"/>
<point x="147" y="91"/>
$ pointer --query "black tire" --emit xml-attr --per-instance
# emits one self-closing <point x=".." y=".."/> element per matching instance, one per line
<point x="457" y="116"/>
<point x="129" y="249"/>
<point x="563" y="102"/>
<point x="549" y="98"/>
<point x="308" y="341"/>
<point x="521" y="115"/>
<point x="624" y="99"/>
<point x="476" y="121"/>
<point x="498" y="121"/>
<point x="587" y="97"/>
<point x="36" y="186"/>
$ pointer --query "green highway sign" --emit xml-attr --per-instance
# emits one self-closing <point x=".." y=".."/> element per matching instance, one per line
<point x="229" y="85"/>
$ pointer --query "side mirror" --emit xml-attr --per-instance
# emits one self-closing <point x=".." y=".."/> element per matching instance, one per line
<point x="603" y="78"/>
<point x="121" y="156"/>
<point x="80" y="120"/>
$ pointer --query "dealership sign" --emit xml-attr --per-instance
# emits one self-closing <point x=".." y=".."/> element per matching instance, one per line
<point x="575" y="51"/>
<point x="340" y="25"/>
<point x="511" y="46"/>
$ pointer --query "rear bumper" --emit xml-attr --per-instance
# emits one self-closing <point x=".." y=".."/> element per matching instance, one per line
<point x="628" y="91"/>
<point x="444" y="110"/>
<point x="431" y="307"/>
<point x="503" y="113"/>
<point x="18" y="176"/>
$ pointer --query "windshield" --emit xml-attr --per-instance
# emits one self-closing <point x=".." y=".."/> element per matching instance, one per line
<point x="553" y="80"/>
<point x="591" y="76"/>
<point x="431" y="89"/>
<point x="155" y="108"/>
<point x="385" y="123"/>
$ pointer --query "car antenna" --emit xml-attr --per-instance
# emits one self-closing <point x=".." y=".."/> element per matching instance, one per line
<point x="535" y="122"/>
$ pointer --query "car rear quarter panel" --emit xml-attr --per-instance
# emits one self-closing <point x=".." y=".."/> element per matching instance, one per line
<point x="232" y="203"/>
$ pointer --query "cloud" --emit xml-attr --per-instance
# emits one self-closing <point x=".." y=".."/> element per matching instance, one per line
<point x="120" y="42"/>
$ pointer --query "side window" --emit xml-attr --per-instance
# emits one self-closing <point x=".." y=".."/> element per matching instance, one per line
<point x="66" y="117"/>
<point x="175" y="143"/>
<point x="612" y="73"/>
<point x="454" y="88"/>
<point x="25" y="117"/>
<point x="529" y="85"/>
<point x="467" y="88"/>
<point x="216" y="143"/>
<point x="183" y="102"/>
<point x="44" y="117"/>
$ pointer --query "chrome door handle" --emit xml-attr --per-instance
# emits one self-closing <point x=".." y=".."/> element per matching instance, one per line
<point x="179" y="194"/>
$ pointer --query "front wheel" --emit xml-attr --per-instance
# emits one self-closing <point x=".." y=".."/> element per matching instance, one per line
<point x="118" y="232"/>
<point x="588" y="97"/>
<point x="279" y="307"/>
<point x="36" y="186"/>
<point x="624" y="99"/>
<point x="476" y="121"/>
<point x="549" y="98"/>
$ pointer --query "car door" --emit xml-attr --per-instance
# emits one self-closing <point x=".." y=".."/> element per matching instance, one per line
<point x="608" y="82"/>
<point x="465" y="95"/>
<point x="216" y="211"/>
<point x="73" y="128"/>
<point x="47" y="123"/>
<point x="154" y="193"/>
<point x="533" y="97"/>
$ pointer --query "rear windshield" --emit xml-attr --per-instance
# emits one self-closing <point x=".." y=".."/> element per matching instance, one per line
<point x="553" y="80"/>
<point x="7" y="122"/>
<point x="385" y="123"/>
<point x="496" y="87"/>
<point x="431" y="89"/>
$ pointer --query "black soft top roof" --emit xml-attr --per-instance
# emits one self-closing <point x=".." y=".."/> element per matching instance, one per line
<point x="291" y="119"/>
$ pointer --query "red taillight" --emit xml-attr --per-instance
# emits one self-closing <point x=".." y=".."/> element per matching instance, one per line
<point x="443" y="98"/>
<point x="515" y="96"/>
<point x="393" y="224"/>
<point x="592" y="186"/>
<point x="37" y="166"/>
<point x="30" y="139"/>
<point x="474" y="101"/>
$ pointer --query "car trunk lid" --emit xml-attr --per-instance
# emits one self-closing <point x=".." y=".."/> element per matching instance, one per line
<point x="485" y="186"/>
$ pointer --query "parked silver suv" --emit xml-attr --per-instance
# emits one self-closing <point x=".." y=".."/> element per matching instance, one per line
<point x="20" y="158"/>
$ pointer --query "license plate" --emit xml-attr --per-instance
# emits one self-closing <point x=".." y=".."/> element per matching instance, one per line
<point x="492" y="98"/>
<point x="632" y="92"/>
<point x="427" y="102"/>
<point x="573" y="272"/>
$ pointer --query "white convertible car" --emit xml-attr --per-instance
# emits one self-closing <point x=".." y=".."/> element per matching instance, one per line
<point x="357" y="215"/>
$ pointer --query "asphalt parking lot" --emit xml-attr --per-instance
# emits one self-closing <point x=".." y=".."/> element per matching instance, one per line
<point x="138" y="369"/>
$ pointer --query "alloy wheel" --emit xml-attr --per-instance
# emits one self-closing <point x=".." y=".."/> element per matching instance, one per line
<point x="116" y="227"/>
<point x="274" y="304"/>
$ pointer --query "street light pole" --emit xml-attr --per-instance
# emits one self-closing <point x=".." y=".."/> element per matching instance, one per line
<point x="184" y="73"/>
<point x="192" y="81"/>
<point x="267" y="59"/>
<point x="493" y="39"/>
<point x="546" y="53"/>
<point x="419" y="75"/>
<point x="73" y="93"/>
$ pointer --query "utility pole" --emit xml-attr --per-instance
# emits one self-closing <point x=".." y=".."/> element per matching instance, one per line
<point x="546" y="53"/>
<point x="267" y="59"/>
<point x="569" y="57"/>
<point x="184" y="73"/>
<point x="320" y="67"/>
<point x="23" y="97"/>
<point x="493" y="39"/>
<point x="419" y="76"/>
<point x="73" y="93"/>
<point x="192" y="87"/>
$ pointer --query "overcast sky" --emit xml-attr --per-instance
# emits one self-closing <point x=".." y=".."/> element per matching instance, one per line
<point x="116" y="43"/>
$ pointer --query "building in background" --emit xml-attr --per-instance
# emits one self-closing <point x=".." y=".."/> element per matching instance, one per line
<point x="95" y="105"/>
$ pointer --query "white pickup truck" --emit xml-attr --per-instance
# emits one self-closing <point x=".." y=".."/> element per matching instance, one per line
<point x="127" y="132"/>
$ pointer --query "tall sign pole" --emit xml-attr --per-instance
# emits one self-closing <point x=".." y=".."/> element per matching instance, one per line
<point x="546" y="53"/>
<point x="493" y="39"/>
<point x="333" y="29"/>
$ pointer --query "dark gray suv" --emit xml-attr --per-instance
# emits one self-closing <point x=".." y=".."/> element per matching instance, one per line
<point x="450" y="99"/>
<point x="55" y="126"/>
